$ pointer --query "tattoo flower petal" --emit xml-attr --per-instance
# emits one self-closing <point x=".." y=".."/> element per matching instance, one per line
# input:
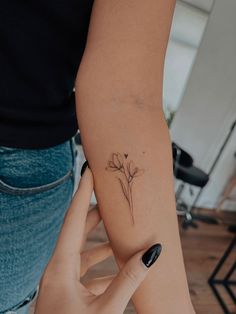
<point x="117" y="160"/>
<point x="130" y="171"/>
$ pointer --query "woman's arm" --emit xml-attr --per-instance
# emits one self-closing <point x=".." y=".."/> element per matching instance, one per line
<point x="126" y="142"/>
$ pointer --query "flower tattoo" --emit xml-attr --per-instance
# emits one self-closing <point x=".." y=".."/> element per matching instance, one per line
<point x="129" y="171"/>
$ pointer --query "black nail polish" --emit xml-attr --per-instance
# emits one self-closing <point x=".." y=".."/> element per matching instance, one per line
<point x="151" y="255"/>
<point x="85" y="165"/>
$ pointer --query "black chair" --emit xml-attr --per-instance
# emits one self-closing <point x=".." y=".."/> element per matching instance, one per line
<point x="185" y="171"/>
<point x="181" y="156"/>
<point x="218" y="281"/>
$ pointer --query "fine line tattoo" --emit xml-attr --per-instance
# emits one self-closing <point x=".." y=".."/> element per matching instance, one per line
<point x="130" y="171"/>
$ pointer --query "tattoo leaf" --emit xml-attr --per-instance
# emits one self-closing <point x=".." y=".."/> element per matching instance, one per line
<point x="124" y="189"/>
<point x="139" y="172"/>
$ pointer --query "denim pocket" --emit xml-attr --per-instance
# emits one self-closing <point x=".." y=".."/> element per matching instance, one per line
<point x="25" y="172"/>
<point x="10" y="189"/>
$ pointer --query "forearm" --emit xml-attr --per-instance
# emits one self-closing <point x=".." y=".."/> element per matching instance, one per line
<point x="140" y="212"/>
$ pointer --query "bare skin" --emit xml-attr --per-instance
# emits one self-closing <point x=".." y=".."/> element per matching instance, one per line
<point x="119" y="111"/>
<point x="61" y="291"/>
<point x="129" y="171"/>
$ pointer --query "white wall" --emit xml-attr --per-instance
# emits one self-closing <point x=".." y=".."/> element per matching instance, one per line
<point x="185" y="36"/>
<point x="208" y="106"/>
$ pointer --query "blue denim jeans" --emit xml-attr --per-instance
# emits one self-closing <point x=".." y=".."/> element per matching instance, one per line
<point x="36" y="188"/>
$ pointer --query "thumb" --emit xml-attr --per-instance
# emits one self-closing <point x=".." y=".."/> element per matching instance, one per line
<point x="121" y="289"/>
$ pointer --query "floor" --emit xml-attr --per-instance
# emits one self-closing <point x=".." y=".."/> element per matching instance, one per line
<point x="202" y="249"/>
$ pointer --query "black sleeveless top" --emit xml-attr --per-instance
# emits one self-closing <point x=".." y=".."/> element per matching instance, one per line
<point x="41" y="46"/>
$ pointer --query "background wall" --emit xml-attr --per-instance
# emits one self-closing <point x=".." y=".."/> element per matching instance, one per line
<point x="208" y="105"/>
<point x="189" y="22"/>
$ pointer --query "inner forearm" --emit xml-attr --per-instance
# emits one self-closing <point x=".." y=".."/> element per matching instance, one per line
<point x="127" y="144"/>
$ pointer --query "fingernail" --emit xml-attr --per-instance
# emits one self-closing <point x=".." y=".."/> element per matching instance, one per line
<point x="85" y="165"/>
<point x="151" y="255"/>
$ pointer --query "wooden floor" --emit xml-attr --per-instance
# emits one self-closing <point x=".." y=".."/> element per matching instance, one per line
<point x="202" y="249"/>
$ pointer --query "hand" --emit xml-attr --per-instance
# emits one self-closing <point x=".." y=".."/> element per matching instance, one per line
<point x="61" y="291"/>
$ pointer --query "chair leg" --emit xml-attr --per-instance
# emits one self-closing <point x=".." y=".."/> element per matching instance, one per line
<point x="228" y="190"/>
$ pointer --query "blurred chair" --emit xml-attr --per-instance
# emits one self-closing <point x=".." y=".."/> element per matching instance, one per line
<point x="186" y="172"/>
<point x="219" y="281"/>
<point x="227" y="193"/>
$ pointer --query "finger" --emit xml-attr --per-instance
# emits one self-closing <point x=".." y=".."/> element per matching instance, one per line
<point x="93" y="219"/>
<point x="94" y="256"/>
<point x="71" y="235"/>
<point x="99" y="285"/>
<point x="129" y="278"/>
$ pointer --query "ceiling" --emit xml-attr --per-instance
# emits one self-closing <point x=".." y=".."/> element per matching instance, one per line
<point x="189" y="22"/>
